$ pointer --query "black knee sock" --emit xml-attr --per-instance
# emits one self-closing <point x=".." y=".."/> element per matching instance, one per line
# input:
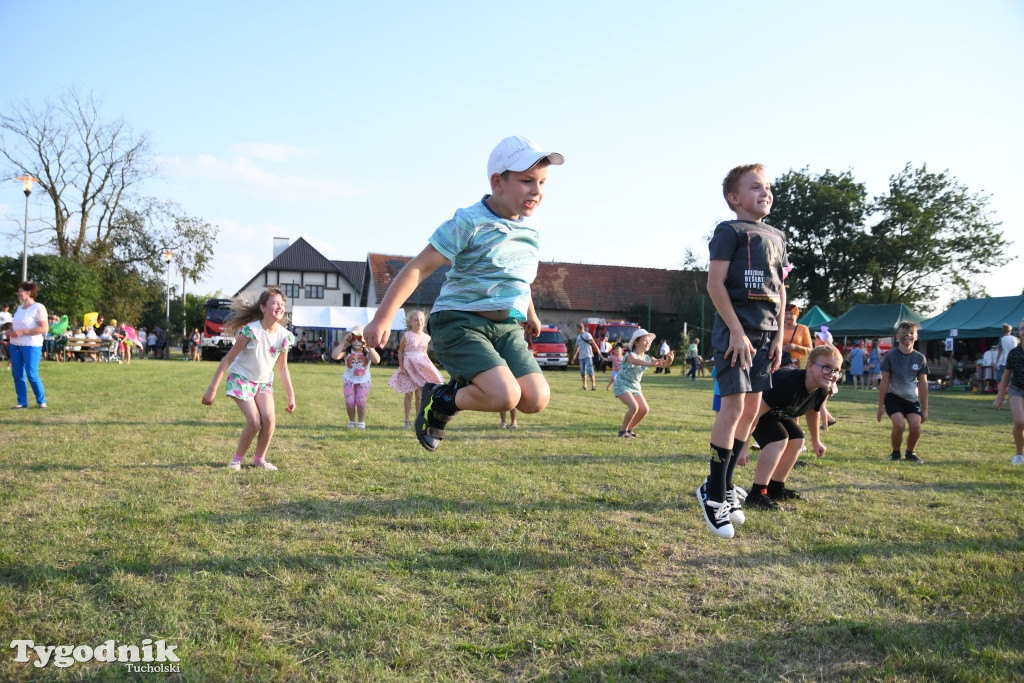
<point x="775" y="487"/>
<point x="720" y="459"/>
<point x="737" y="448"/>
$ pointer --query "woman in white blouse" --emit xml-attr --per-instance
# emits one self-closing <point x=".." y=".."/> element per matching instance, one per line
<point x="30" y="324"/>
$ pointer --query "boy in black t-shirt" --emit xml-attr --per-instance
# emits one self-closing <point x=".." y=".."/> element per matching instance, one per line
<point x="793" y="393"/>
<point x="745" y="284"/>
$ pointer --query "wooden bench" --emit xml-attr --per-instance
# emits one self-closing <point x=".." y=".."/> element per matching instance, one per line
<point x="104" y="347"/>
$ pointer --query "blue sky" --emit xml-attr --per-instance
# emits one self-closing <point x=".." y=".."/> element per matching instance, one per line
<point x="362" y="126"/>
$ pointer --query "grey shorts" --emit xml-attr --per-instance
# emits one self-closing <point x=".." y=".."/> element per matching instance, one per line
<point x="468" y="344"/>
<point x="734" y="380"/>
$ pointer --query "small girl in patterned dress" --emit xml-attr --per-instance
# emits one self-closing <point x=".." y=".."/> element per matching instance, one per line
<point x="627" y="382"/>
<point x="414" y="366"/>
<point x="261" y="344"/>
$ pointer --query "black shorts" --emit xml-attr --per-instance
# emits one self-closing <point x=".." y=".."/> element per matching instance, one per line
<point x="757" y="378"/>
<point x="771" y="428"/>
<point x="898" y="404"/>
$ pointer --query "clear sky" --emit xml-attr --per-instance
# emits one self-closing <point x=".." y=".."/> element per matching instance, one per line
<point x="362" y="126"/>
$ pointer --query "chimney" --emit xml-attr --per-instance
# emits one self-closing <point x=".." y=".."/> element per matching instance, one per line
<point x="280" y="244"/>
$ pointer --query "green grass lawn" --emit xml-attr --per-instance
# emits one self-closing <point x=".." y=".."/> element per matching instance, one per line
<point x="554" y="552"/>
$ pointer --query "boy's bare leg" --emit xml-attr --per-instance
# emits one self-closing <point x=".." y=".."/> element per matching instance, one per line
<point x="534" y="393"/>
<point x="497" y="390"/>
<point x="899" y="424"/>
<point x="723" y="431"/>
<point x="914" y="432"/>
<point x="768" y="461"/>
<point x="788" y="460"/>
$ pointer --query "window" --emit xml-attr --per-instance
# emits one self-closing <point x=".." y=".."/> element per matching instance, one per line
<point x="290" y="291"/>
<point x="314" y="291"/>
<point x="346" y="299"/>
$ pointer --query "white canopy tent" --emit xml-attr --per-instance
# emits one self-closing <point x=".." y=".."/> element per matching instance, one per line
<point x="339" y="317"/>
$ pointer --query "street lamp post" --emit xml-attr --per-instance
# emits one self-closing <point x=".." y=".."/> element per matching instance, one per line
<point x="168" y="255"/>
<point x="27" y="181"/>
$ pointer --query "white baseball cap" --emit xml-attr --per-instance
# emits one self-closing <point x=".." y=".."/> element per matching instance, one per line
<point x="517" y="153"/>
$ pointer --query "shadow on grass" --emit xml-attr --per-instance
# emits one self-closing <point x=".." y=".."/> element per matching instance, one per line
<point x="838" y="649"/>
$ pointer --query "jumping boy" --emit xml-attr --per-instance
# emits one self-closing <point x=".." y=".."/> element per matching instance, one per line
<point x="745" y="284"/>
<point x="477" y="320"/>
<point x="903" y="392"/>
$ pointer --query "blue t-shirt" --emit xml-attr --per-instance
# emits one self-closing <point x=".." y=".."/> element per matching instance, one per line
<point x="494" y="261"/>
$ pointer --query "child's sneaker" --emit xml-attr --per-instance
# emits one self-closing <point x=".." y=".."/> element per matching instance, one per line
<point x="762" y="501"/>
<point x="351" y="425"/>
<point x="437" y="408"/>
<point x="264" y="465"/>
<point x="235" y="465"/>
<point x="894" y="456"/>
<point x="911" y="456"/>
<point x="1017" y="460"/>
<point x="716" y="515"/>
<point x="360" y="425"/>
<point x="735" y="497"/>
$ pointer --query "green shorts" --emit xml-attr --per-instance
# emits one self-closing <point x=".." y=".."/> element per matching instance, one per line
<point x="468" y="344"/>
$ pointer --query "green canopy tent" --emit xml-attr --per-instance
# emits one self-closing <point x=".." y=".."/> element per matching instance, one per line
<point x="869" y="320"/>
<point x="815" y="317"/>
<point x="975" y="318"/>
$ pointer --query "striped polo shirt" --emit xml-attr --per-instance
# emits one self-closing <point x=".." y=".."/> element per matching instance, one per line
<point x="494" y="260"/>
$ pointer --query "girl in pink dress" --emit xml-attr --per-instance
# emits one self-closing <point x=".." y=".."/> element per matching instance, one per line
<point x="414" y="366"/>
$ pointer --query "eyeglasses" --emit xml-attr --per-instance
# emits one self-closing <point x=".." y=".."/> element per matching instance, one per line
<point x="829" y="370"/>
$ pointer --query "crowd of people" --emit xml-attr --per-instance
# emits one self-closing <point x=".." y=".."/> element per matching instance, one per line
<point x="768" y="369"/>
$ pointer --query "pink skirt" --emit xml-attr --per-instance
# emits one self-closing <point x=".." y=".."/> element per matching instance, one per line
<point x="416" y="371"/>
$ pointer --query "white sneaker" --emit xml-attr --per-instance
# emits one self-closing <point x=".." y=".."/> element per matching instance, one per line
<point x="735" y="497"/>
<point x="716" y="515"/>
<point x="265" y="466"/>
<point x="1017" y="460"/>
<point x="235" y="465"/>
<point x="351" y="425"/>
<point x="360" y="425"/>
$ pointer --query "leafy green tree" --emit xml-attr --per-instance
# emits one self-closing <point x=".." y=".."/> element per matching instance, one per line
<point x="927" y="235"/>
<point x="66" y="287"/>
<point x="823" y="218"/>
<point x="933" y="235"/>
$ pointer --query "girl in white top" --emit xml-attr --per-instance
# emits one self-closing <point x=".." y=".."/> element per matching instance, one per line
<point x="26" y="345"/>
<point x="261" y="344"/>
<point x="358" y="358"/>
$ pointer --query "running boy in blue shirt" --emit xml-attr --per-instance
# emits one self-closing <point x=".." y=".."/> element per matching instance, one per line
<point x="477" y="321"/>
<point x="745" y="284"/>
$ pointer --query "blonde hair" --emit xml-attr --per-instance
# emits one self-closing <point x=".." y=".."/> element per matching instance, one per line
<point x="731" y="184"/>
<point x="242" y="312"/>
<point x="824" y="350"/>
<point x="412" y="314"/>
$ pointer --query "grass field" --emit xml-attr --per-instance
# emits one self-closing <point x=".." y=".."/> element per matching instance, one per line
<point x="557" y="552"/>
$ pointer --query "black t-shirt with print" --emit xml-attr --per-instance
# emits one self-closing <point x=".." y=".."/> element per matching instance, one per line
<point x="789" y="397"/>
<point x="756" y="253"/>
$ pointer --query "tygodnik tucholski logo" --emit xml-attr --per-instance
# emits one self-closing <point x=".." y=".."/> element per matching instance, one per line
<point x="63" y="656"/>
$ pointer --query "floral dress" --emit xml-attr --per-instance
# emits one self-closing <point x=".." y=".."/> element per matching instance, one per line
<point x="252" y="371"/>
<point x="417" y="368"/>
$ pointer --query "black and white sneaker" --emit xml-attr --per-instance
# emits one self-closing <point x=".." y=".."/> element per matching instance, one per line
<point x="735" y="497"/>
<point x="755" y="499"/>
<point x="911" y="456"/>
<point x="894" y="456"/>
<point x="784" y="494"/>
<point x="716" y="515"/>
<point x="437" y="408"/>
